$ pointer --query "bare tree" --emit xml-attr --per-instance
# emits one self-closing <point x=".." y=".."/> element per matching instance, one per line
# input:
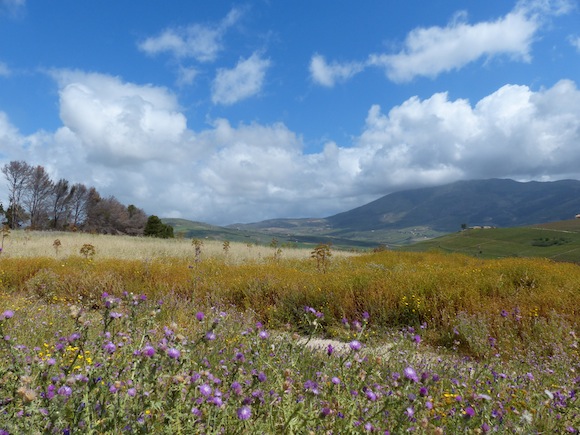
<point x="62" y="197"/>
<point x="136" y="222"/>
<point x="17" y="174"/>
<point x="38" y="190"/>
<point x="78" y="204"/>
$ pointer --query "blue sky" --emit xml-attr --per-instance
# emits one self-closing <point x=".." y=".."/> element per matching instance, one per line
<point x="229" y="111"/>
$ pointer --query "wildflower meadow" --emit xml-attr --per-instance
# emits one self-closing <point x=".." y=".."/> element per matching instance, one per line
<point x="183" y="337"/>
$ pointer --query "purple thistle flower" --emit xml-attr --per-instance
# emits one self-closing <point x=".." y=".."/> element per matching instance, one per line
<point x="115" y="315"/>
<point x="410" y="412"/>
<point x="236" y="388"/>
<point x="355" y="345"/>
<point x="262" y="377"/>
<point x="371" y="395"/>
<point x="173" y="353"/>
<point x="263" y="335"/>
<point x="335" y="380"/>
<point x="131" y="392"/>
<point x="200" y="315"/>
<point x="8" y="314"/>
<point x="210" y="336"/>
<point x="244" y="413"/>
<point x="417" y="339"/>
<point x="411" y="374"/>
<point x="205" y="390"/>
<point x="148" y="350"/>
<point x="329" y="350"/>
<point x="109" y="347"/>
<point x="65" y="391"/>
<point x="469" y="412"/>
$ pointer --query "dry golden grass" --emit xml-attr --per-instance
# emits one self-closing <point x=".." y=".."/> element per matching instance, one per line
<point x="27" y="244"/>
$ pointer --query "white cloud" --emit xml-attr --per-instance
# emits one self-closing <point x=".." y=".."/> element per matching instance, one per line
<point x="434" y="50"/>
<point x="120" y="123"/>
<point x="131" y="141"/>
<point x="241" y="82"/>
<point x="575" y="42"/>
<point x="513" y="132"/>
<point x="431" y="51"/>
<point x="328" y="74"/>
<point x="201" y="42"/>
<point x="4" y="70"/>
<point x="12" y="6"/>
<point x="186" y="75"/>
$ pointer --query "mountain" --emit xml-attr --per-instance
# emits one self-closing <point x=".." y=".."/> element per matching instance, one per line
<point x="408" y="216"/>
<point x="494" y="202"/>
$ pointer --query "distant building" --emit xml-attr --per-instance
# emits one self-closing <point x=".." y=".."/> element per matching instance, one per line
<point x="578" y="216"/>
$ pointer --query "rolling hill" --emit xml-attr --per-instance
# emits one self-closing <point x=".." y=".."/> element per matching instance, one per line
<point x="414" y="215"/>
<point x="411" y="216"/>
<point x="559" y="241"/>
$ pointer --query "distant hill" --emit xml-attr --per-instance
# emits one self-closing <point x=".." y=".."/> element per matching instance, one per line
<point x="495" y="202"/>
<point x="559" y="241"/>
<point x="410" y="216"/>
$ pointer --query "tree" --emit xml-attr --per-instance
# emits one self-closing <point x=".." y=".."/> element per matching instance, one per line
<point x="38" y="189"/>
<point x="61" y="199"/>
<point x="16" y="173"/>
<point x="135" y="225"/>
<point x="78" y="204"/>
<point x="156" y="228"/>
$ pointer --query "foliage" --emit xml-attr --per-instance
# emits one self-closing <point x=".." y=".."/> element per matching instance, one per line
<point x="321" y="254"/>
<point x="35" y="199"/>
<point x="130" y="356"/>
<point x="133" y="366"/>
<point x="155" y="228"/>
<point x="88" y="251"/>
<point x="559" y="241"/>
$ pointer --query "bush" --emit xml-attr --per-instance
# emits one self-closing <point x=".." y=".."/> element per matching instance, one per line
<point x="156" y="228"/>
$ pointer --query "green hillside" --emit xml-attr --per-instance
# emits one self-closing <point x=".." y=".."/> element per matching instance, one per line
<point x="558" y="241"/>
<point x="199" y="230"/>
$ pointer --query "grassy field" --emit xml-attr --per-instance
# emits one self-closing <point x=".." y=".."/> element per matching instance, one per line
<point x="557" y="241"/>
<point x="28" y="244"/>
<point x="145" y="336"/>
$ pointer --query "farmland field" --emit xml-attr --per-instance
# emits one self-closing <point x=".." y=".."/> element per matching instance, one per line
<point x="142" y="335"/>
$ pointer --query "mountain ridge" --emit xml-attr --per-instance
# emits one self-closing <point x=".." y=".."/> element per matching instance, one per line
<point x="407" y="216"/>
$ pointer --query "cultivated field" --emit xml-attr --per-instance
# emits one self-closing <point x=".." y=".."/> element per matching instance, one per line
<point x="149" y="336"/>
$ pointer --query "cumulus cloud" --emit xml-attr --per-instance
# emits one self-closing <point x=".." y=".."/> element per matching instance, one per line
<point x="201" y="42"/>
<point x="431" y="51"/>
<point x="241" y="82"/>
<point x="434" y="50"/>
<point x="132" y="141"/>
<point x="512" y="133"/>
<point x="326" y="74"/>
<point x="120" y="123"/>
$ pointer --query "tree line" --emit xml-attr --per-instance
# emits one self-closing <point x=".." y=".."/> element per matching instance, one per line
<point x="40" y="203"/>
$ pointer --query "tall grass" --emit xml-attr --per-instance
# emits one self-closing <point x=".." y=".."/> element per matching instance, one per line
<point x="26" y="244"/>
<point x="75" y="355"/>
